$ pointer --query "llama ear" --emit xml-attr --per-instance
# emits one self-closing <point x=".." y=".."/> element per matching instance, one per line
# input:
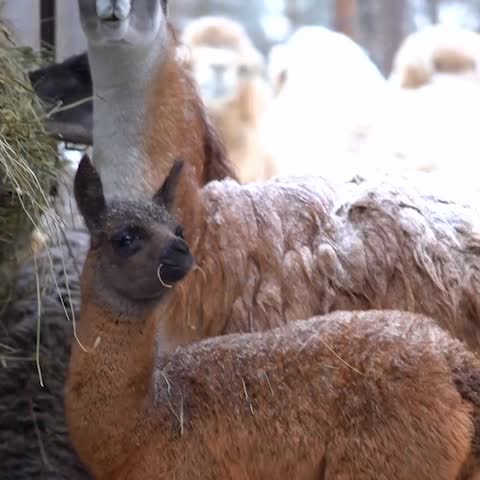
<point x="167" y="192"/>
<point x="89" y="194"/>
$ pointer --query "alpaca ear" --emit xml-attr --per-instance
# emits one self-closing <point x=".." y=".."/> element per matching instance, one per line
<point x="167" y="192"/>
<point x="89" y="194"/>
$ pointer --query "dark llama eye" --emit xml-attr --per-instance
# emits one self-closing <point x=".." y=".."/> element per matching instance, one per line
<point x="179" y="232"/>
<point x="129" y="241"/>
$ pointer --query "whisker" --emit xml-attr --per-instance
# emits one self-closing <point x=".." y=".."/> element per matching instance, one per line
<point x="200" y="269"/>
<point x="160" y="277"/>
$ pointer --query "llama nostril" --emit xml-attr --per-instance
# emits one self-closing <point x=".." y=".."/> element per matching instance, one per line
<point x="180" y="246"/>
<point x="105" y="9"/>
<point x="122" y="9"/>
<point x="175" y="262"/>
<point x="175" y="252"/>
<point x="113" y="10"/>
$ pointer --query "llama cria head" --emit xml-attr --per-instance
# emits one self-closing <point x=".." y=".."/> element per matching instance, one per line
<point x="221" y="57"/>
<point x="130" y="22"/>
<point x="137" y="248"/>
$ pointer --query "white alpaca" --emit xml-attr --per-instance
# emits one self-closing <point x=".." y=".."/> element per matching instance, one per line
<point x="328" y="90"/>
<point x="429" y="129"/>
<point x="427" y="122"/>
<point x="437" y="51"/>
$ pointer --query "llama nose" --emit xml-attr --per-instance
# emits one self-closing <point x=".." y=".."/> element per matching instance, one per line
<point x="113" y="10"/>
<point x="180" y="246"/>
<point x="176" y="251"/>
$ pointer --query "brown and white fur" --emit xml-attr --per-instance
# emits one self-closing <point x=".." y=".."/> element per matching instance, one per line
<point x="363" y="395"/>
<point x="146" y="109"/>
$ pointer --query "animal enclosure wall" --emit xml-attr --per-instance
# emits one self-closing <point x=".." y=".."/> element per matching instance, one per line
<point x="26" y="26"/>
<point x="51" y="22"/>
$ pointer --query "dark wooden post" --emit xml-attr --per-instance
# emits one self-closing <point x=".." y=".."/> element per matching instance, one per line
<point x="47" y="25"/>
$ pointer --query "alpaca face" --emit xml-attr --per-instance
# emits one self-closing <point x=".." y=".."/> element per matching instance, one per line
<point x="220" y="73"/>
<point x="130" y="22"/>
<point x="138" y="246"/>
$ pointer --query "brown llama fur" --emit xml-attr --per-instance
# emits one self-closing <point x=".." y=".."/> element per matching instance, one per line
<point x="275" y="404"/>
<point x="169" y="131"/>
<point x="436" y="49"/>
<point x="238" y="111"/>
<point x="352" y="395"/>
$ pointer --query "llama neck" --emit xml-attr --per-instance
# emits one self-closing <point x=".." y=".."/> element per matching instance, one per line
<point x="176" y="126"/>
<point x="147" y="114"/>
<point x="108" y="388"/>
<point x="121" y="76"/>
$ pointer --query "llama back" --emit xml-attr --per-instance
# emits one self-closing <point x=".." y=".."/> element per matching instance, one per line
<point x="373" y="353"/>
<point x="300" y="248"/>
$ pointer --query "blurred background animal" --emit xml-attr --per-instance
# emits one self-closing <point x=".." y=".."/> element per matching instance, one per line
<point x="231" y="77"/>
<point x="425" y="122"/>
<point x="327" y="88"/>
<point x="436" y="51"/>
<point x="66" y="91"/>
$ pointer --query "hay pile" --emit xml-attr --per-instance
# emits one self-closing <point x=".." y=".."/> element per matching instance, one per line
<point x="28" y="161"/>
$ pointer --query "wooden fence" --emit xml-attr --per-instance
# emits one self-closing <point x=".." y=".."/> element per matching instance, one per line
<point x="49" y="22"/>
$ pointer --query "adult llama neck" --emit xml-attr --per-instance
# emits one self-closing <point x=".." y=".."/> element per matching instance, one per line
<point x="146" y="115"/>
